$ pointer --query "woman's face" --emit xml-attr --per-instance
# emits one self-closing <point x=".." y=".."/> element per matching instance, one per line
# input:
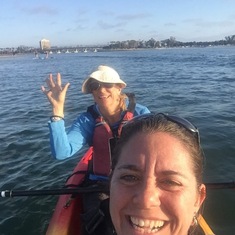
<point x="153" y="188"/>
<point x="107" y="97"/>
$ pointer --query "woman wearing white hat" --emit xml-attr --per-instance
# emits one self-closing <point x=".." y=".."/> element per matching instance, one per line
<point x="111" y="108"/>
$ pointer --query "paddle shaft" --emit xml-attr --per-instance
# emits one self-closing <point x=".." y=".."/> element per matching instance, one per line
<point x="226" y="185"/>
<point x="64" y="191"/>
<point x="11" y="193"/>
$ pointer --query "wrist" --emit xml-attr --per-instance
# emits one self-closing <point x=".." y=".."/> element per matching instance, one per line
<point x="58" y="112"/>
<point x="56" y="118"/>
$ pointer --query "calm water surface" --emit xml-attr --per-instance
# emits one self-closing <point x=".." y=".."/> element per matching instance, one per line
<point x="197" y="84"/>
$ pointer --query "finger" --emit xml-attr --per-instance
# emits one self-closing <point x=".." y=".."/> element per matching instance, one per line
<point x="66" y="87"/>
<point x="59" y="79"/>
<point x="51" y="81"/>
<point x="44" y="90"/>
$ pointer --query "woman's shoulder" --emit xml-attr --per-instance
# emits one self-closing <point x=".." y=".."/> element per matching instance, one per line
<point x="141" y="109"/>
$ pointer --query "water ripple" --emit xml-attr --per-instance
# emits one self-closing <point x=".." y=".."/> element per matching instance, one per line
<point x="197" y="84"/>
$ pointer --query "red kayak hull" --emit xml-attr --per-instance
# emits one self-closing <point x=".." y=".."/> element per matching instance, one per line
<point x="66" y="219"/>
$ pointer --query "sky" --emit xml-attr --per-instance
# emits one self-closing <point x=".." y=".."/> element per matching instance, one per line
<point x="98" y="22"/>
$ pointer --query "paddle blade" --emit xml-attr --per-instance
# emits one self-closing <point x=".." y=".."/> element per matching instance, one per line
<point x="205" y="227"/>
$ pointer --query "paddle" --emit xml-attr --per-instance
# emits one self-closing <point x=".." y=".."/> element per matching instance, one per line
<point x="205" y="227"/>
<point x="90" y="189"/>
<point x="62" y="191"/>
<point x="225" y="185"/>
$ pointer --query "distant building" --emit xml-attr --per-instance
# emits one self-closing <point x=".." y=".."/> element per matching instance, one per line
<point x="45" y="45"/>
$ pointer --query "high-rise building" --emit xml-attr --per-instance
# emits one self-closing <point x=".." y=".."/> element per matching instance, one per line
<point x="45" y="45"/>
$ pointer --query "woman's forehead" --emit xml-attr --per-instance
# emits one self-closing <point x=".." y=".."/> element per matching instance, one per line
<point x="159" y="149"/>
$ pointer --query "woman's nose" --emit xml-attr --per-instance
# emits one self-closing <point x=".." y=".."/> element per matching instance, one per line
<point x="101" y="87"/>
<point x="147" y="196"/>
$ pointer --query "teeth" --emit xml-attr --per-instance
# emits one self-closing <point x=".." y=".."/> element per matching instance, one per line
<point x="148" y="224"/>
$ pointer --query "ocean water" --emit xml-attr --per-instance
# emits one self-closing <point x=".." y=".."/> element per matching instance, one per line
<point x="195" y="83"/>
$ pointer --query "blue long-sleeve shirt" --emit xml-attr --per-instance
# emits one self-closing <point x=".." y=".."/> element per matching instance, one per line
<point x="65" y="144"/>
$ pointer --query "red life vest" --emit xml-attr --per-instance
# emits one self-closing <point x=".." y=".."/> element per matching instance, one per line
<point x="103" y="134"/>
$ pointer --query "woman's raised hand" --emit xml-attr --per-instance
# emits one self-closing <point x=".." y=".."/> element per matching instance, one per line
<point x="55" y="93"/>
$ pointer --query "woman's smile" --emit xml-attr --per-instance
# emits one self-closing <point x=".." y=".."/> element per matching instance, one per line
<point x="146" y="225"/>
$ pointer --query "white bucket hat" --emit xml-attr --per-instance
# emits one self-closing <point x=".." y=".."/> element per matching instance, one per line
<point x="104" y="74"/>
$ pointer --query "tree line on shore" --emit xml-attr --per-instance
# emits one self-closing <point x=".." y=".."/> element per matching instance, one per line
<point x="171" y="42"/>
<point x="134" y="44"/>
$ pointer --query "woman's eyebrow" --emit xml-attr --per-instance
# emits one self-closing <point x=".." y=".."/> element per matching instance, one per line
<point x="128" y="167"/>
<point x="172" y="172"/>
<point x="163" y="173"/>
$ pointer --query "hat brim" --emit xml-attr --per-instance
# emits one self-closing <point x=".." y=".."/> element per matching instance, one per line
<point x="85" y="85"/>
<point x="103" y="74"/>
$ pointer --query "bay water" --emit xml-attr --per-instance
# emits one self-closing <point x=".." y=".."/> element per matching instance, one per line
<point x="195" y="83"/>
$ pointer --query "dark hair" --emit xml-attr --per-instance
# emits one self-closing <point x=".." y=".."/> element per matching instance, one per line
<point x="160" y="123"/>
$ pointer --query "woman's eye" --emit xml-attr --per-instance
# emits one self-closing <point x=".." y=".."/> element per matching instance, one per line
<point x="129" y="178"/>
<point x="170" y="184"/>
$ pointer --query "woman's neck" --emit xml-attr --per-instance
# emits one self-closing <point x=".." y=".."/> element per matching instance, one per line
<point x="111" y="116"/>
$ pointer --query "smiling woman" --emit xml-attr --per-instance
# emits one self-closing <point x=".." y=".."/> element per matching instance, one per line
<point x="99" y="127"/>
<point x="157" y="168"/>
<point x="111" y="106"/>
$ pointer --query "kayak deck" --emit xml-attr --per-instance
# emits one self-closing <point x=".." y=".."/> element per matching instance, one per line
<point x="66" y="219"/>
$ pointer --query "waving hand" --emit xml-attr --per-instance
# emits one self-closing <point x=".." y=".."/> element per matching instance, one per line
<point x="56" y="94"/>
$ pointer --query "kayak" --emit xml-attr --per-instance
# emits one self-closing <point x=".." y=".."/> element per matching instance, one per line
<point x="66" y="219"/>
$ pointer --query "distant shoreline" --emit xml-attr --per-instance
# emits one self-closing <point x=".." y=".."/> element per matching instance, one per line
<point x="5" y="56"/>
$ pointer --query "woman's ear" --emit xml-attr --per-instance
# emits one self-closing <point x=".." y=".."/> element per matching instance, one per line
<point x="201" y="196"/>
